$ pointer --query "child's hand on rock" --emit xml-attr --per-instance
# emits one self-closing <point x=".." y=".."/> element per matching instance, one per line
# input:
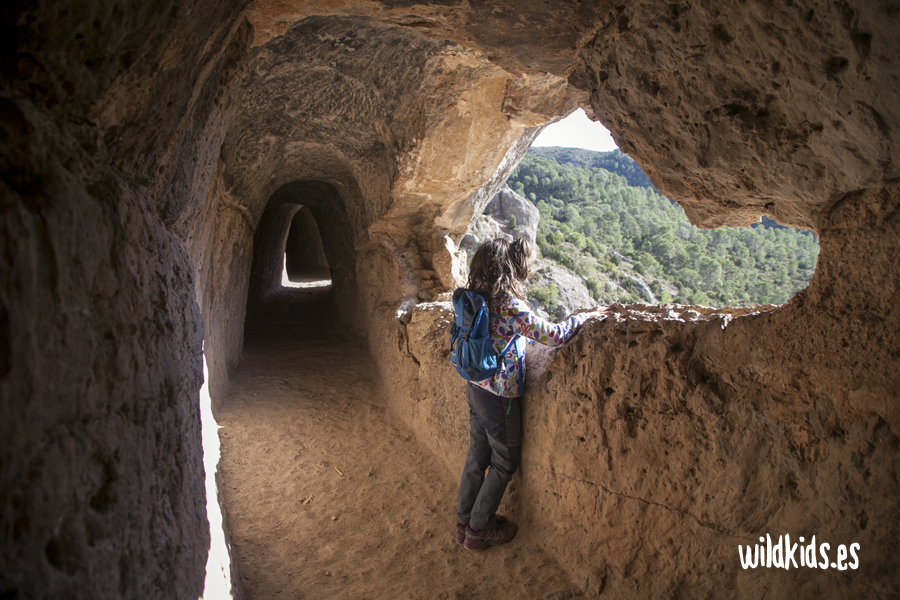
<point x="598" y="312"/>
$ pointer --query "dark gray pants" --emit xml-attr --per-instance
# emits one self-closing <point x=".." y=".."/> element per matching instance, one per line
<point x="494" y="440"/>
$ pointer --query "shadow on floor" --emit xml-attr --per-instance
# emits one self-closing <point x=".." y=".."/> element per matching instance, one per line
<point x="292" y="312"/>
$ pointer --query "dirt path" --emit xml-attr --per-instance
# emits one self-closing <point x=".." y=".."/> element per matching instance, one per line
<point x="329" y="496"/>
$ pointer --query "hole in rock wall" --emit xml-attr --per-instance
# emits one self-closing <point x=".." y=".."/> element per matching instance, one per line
<point x="302" y="270"/>
<point x="305" y="265"/>
<point x="606" y="235"/>
<point x="270" y="256"/>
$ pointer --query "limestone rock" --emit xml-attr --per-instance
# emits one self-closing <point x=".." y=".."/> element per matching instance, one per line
<point x="484" y="228"/>
<point x="573" y="294"/>
<point x="734" y="116"/>
<point x="508" y="203"/>
<point x="450" y="265"/>
<point x="469" y="242"/>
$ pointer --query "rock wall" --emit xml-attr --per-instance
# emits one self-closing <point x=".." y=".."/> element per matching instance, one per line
<point x="699" y="436"/>
<point x="573" y="293"/>
<point x="508" y="204"/>
<point x="110" y="116"/>
<point x="413" y="135"/>
<point x="142" y="145"/>
<point x="750" y="108"/>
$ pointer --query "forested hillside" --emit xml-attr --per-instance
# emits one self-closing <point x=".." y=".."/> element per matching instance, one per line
<point x="615" y="162"/>
<point x="601" y="218"/>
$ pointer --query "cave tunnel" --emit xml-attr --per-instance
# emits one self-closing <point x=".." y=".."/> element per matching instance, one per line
<point x="304" y="257"/>
<point x="288" y="241"/>
<point x="154" y="161"/>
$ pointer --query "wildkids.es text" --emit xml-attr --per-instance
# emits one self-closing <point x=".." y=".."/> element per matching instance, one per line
<point x="784" y="554"/>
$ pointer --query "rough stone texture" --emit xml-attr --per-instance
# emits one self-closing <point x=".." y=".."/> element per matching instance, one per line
<point x="573" y="294"/>
<point x="751" y="108"/>
<point x="485" y="227"/>
<point x="413" y="135"/>
<point x="508" y="203"/>
<point x="450" y="266"/>
<point x="107" y="116"/>
<point x="708" y="433"/>
<point x="745" y="108"/>
<point x="536" y="37"/>
<point x="142" y="144"/>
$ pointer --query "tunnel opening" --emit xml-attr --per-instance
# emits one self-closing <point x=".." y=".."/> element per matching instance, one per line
<point x="302" y="276"/>
<point x="305" y="264"/>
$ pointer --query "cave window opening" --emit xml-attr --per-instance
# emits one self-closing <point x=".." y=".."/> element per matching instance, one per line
<point x="606" y="235"/>
<point x="302" y="270"/>
<point x="304" y="262"/>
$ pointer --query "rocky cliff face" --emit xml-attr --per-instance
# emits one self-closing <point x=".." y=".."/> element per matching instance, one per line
<point x="154" y="154"/>
<point x="111" y="119"/>
<point x="573" y="294"/>
<point x="768" y="137"/>
<point x="521" y="215"/>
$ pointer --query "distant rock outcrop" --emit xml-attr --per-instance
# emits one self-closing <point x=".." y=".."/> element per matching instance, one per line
<point x="508" y="216"/>
<point x="573" y="294"/>
<point x="485" y="227"/>
<point x="521" y="215"/>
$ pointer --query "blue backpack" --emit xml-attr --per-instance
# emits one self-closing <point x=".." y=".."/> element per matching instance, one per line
<point x="471" y="349"/>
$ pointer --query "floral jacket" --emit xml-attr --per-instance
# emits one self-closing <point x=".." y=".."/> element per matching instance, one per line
<point x="511" y="319"/>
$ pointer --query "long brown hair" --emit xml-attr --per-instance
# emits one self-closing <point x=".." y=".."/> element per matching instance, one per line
<point x="500" y="268"/>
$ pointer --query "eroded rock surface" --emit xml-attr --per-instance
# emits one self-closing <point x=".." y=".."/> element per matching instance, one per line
<point x="745" y="109"/>
<point x="110" y="118"/>
<point x="573" y="294"/>
<point x="142" y="145"/>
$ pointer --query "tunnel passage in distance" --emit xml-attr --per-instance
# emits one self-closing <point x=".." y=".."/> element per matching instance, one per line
<point x="304" y="256"/>
<point x="304" y="229"/>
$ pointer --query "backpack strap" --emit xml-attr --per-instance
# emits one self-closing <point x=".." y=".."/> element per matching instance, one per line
<point x="520" y="375"/>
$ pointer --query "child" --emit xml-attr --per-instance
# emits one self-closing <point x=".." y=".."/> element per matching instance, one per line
<point x="498" y="271"/>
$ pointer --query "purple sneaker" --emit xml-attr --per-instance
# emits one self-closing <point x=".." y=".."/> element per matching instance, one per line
<point x="460" y="537"/>
<point x="480" y="540"/>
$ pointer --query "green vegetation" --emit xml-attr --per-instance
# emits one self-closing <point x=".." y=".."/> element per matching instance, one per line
<point x="615" y="162"/>
<point x="601" y="219"/>
<point x="547" y="296"/>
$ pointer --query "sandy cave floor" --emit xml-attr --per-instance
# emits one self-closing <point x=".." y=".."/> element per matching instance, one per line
<point x="327" y="495"/>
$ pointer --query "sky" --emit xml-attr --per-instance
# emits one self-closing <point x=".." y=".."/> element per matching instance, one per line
<point x="577" y="131"/>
